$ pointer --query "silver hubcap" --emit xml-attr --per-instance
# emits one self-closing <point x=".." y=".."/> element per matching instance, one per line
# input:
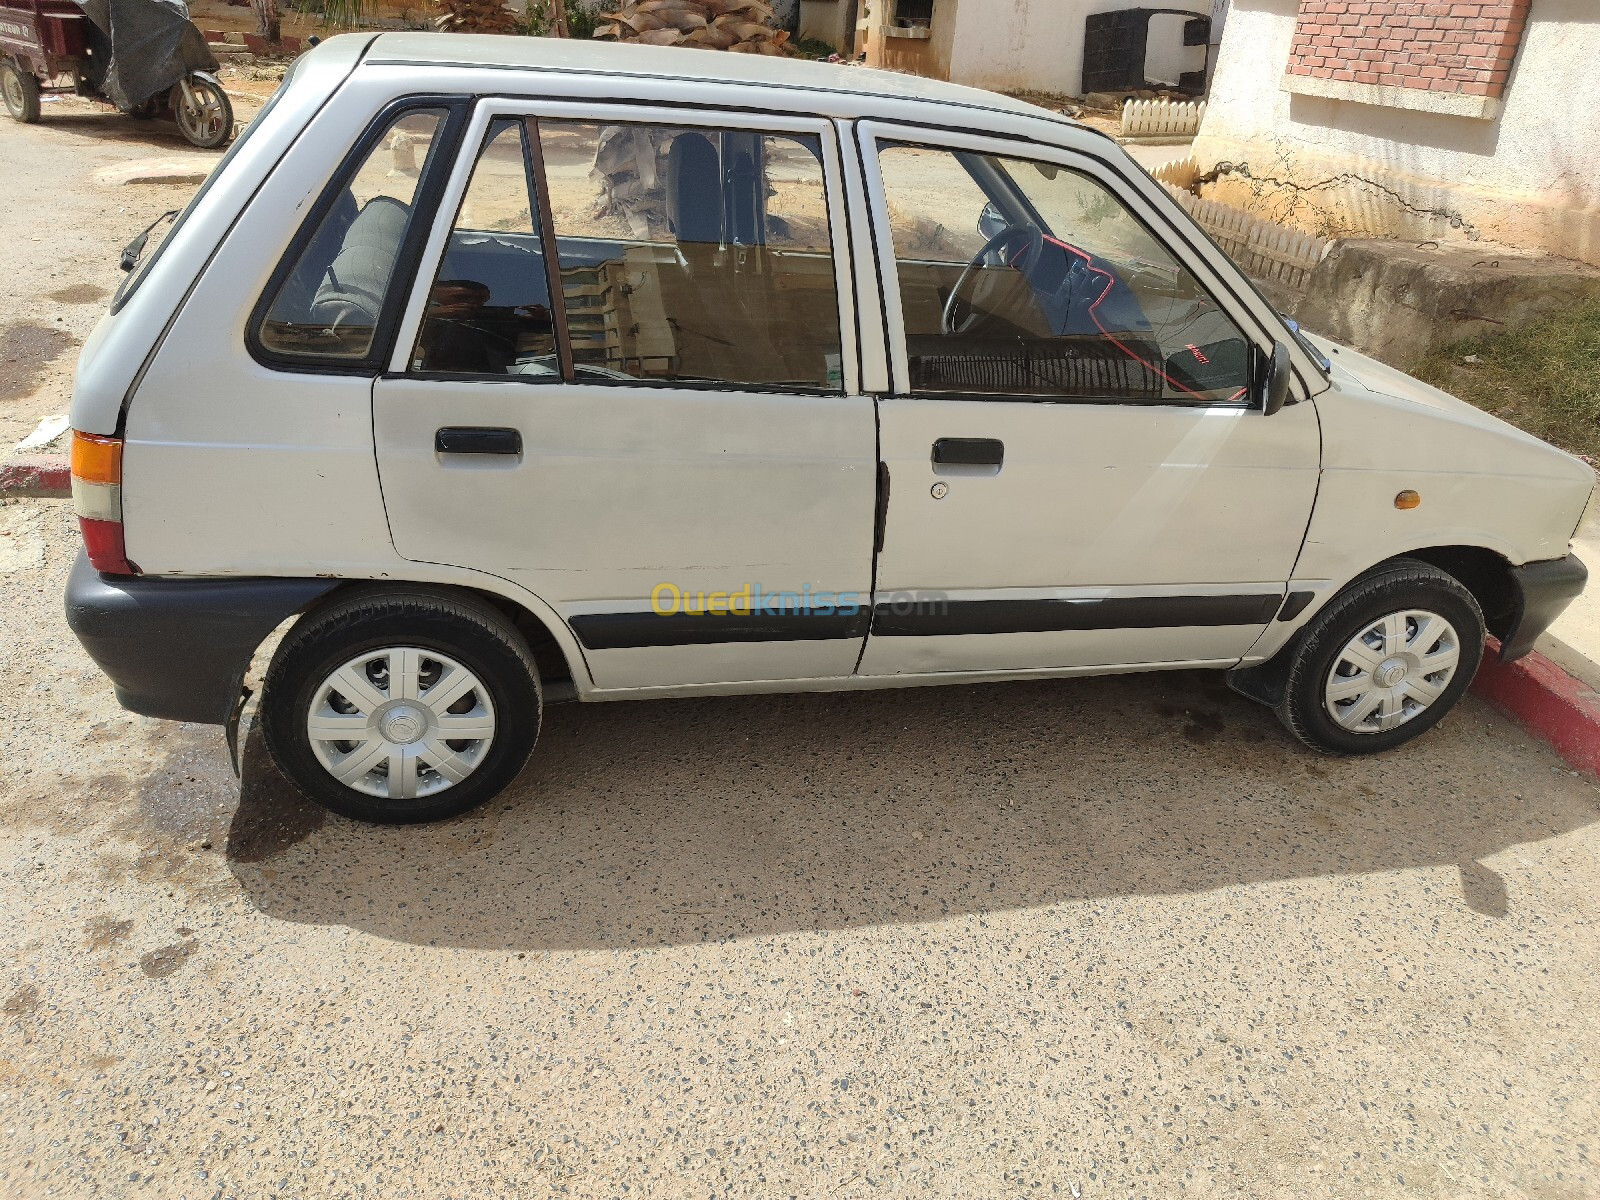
<point x="401" y="723"/>
<point x="1391" y="671"/>
<point x="13" y="91"/>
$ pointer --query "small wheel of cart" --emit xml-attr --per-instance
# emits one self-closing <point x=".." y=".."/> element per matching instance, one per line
<point x="202" y="110"/>
<point x="21" y="92"/>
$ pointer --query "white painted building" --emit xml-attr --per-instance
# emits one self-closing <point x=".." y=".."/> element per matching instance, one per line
<point x="1005" y="45"/>
<point x="1510" y="155"/>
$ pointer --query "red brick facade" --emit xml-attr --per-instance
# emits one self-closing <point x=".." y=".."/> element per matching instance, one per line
<point x="1461" y="46"/>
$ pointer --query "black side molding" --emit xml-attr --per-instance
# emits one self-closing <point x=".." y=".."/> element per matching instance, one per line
<point x="927" y="617"/>
<point x="630" y="630"/>
<point x="1543" y="590"/>
<point x="178" y="648"/>
<point x="1294" y="604"/>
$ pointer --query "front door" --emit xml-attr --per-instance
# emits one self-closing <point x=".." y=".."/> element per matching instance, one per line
<point x="1077" y="478"/>
<point x="670" y="447"/>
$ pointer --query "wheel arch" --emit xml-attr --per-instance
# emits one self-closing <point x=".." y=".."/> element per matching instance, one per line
<point x="557" y="674"/>
<point x="1485" y="573"/>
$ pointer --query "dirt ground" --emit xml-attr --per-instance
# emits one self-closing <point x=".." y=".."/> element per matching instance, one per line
<point x="1094" y="938"/>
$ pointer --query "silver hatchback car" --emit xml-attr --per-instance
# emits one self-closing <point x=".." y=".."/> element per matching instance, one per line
<point x="508" y="369"/>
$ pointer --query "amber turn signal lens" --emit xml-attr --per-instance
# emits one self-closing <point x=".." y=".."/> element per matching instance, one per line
<point x="96" y="459"/>
<point x="1407" y="499"/>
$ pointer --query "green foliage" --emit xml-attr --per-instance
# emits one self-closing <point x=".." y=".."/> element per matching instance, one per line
<point x="811" y="48"/>
<point x="1543" y="377"/>
<point x="582" y="20"/>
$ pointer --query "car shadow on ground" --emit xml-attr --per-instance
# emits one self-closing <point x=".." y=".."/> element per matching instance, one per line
<point x="687" y="821"/>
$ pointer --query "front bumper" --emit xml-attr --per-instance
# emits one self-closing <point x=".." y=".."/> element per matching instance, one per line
<point x="1542" y="590"/>
<point x="178" y="648"/>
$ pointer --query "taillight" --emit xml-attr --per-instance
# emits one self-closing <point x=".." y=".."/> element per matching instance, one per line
<point x="97" y="499"/>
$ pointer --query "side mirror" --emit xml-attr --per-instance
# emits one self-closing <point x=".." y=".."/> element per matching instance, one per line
<point x="1271" y="385"/>
<point x="991" y="222"/>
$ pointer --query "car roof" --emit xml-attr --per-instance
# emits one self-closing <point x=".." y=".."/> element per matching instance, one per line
<point x="688" y="66"/>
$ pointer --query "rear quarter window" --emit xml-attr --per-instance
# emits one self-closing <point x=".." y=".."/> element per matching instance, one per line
<point x="327" y="299"/>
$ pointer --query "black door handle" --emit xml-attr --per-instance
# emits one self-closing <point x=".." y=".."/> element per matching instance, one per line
<point x="968" y="452"/>
<point x="477" y="439"/>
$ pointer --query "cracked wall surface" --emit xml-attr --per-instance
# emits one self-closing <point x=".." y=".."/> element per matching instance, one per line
<point x="1529" y="177"/>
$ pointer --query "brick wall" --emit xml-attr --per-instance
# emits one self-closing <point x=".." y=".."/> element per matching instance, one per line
<point x="1459" y="46"/>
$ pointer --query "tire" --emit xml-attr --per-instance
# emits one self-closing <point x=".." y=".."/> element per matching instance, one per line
<point x="408" y="770"/>
<point x="213" y="126"/>
<point x="21" y="91"/>
<point x="1391" y="612"/>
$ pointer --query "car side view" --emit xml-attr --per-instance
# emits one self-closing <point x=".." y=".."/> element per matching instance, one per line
<point x="501" y="371"/>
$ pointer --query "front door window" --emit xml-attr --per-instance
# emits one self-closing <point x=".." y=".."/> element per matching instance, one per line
<point x="1026" y="279"/>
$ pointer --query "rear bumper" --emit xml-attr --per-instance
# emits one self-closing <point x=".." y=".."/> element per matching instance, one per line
<point x="178" y="648"/>
<point x="1543" y="590"/>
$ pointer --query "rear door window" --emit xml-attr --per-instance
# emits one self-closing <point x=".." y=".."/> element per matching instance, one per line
<point x="488" y="309"/>
<point x="327" y="305"/>
<point x="694" y="255"/>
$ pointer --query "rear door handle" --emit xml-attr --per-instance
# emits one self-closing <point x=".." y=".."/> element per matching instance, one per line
<point x="477" y="439"/>
<point x="968" y="452"/>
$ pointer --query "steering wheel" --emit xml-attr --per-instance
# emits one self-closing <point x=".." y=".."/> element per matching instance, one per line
<point x="1018" y="246"/>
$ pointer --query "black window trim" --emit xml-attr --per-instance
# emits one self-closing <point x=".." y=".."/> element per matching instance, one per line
<point x="433" y="177"/>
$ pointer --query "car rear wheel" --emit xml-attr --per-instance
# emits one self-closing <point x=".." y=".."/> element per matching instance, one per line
<point x="401" y="707"/>
<point x="21" y="90"/>
<point x="1384" y="661"/>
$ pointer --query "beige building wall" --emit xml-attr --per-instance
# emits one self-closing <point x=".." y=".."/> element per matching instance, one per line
<point x="1528" y="176"/>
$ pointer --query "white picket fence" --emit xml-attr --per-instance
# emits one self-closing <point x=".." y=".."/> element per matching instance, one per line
<point x="1162" y="118"/>
<point x="1179" y="173"/>
<point x="1263" y="248"/>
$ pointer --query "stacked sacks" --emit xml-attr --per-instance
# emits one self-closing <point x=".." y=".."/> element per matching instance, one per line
<point x="740" y="26"/>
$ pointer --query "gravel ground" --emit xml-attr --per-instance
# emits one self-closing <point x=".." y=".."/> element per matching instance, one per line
<point x="1091" y="938"/>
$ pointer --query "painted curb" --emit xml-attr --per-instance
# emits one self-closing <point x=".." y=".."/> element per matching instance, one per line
<point x="1549" y="703"/>
<point x="47" y="478"/>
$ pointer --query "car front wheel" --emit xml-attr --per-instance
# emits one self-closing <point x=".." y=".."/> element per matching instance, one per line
<point x="1384" y="661"/>
<point x="399" y="707"/>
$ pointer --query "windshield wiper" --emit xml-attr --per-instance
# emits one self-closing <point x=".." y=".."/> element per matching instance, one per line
<point x="134" y="249"/>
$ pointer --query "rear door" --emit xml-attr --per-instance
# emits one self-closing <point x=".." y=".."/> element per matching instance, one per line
<point x="1077" y="476"/>
<point x="664" y="437"/>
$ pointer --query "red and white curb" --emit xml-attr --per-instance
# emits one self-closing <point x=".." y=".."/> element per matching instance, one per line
<point x="1549" y="703"/>
<point x="1554" y="706"/>
<point x="44" y="476"/>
